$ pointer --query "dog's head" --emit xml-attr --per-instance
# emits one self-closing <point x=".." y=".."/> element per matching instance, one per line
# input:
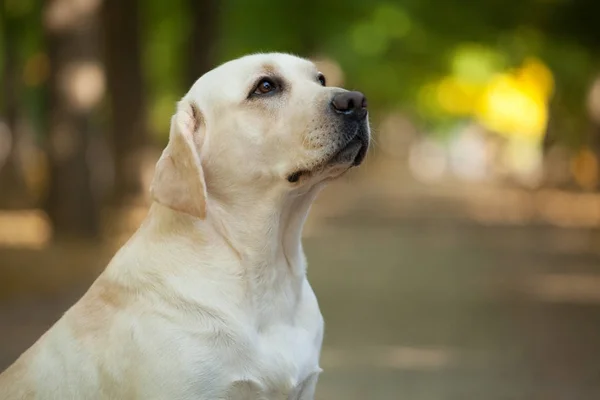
<point x="259" y="123"/>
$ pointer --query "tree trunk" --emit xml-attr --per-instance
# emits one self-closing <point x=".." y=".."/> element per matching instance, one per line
<point x="123" y="60"/>
<point x="13" y="189"/>
<point x="75" y="88"/>
<point x="203" y="38"/>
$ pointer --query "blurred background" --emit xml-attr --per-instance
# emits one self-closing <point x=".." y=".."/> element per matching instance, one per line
<point x="460" y="262"/>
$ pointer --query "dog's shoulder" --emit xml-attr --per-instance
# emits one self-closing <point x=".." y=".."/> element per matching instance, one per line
<point x="15" y="382"/>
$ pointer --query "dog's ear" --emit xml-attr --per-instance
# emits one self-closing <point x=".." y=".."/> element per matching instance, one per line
<point x="178" y="179"/>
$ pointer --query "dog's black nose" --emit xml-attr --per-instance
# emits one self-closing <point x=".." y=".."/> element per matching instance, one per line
<point x="350" y="103"/>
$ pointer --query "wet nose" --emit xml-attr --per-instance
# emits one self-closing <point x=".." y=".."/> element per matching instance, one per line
<point x="353" y="104"/>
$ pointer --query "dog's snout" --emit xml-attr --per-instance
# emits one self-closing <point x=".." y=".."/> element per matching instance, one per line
<point x="350" y="103"/>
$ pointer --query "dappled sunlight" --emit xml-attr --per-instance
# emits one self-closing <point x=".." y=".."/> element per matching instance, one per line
<point x="469" y="155"/>
<point x="83" y="83"/>
<point x="509" y="103"/>
<point x="512" y="105"/>
<point x="456" y="96"/>
<point x="500" y="116"/>
<point x="29" y="229"/>
<point x="522" y="157"/>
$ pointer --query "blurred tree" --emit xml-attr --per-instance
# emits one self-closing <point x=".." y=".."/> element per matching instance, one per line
<point x="202" y="40"/>
<point x="12" y="183"/>
<point x="165" y="60"/>
<point x="127" y="97"/>
<point x="76" y="85"/>
<point x="394" y="50"/>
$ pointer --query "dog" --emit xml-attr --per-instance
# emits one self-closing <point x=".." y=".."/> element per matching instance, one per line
<point x="209" y="298"/>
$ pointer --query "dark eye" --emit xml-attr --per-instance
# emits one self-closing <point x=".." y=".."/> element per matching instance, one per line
<point x="321" y="79"/>
<point x="265" y="86"/>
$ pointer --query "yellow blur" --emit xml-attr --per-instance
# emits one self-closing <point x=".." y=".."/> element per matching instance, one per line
<point x="511" y="103"/>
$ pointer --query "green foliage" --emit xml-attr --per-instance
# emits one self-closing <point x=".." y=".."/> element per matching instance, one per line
<point x="391" y="49"/>
<point x="165" y="25"/>
<point x="21" y="29"/>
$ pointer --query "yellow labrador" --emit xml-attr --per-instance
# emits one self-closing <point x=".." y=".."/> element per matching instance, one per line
<point x="209" y="298"/>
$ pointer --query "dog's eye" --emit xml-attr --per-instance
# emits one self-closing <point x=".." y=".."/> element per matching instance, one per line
<point x="322" y="80"/>
<point x="265" y="86"/>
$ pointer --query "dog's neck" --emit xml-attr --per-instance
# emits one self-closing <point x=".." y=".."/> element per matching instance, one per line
<point x="251" y="241"/>
<point x="261" y="231"/>
<point x="256" y="238"/>
<point x="264" y="230"/>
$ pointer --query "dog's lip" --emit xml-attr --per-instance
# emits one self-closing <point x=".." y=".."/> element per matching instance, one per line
<point x="358" y="139"/>
<point x="362" y="151"/>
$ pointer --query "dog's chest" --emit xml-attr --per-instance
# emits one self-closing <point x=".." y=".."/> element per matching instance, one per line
<point x="284" y="365"/>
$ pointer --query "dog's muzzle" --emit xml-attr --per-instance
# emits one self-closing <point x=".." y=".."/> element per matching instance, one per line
<point x="351" y="107"/>
<point x="353" y="135"/>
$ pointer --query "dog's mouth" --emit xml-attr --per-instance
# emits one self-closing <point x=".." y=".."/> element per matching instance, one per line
<point x="351" y="154"/>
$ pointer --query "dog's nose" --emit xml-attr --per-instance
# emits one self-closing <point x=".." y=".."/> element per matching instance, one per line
<point x="350" y="103"/>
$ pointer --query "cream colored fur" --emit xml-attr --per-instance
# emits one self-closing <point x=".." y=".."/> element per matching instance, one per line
<point x="209" y="298"/>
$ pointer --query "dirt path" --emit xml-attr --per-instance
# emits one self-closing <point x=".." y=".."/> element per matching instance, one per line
<point x="421" y="310"/>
